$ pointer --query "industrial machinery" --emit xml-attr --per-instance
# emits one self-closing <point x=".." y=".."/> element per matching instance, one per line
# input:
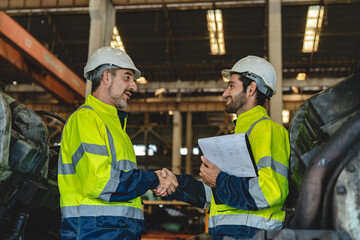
<point x="29" y="199"/>
<point x="324" y="199"/>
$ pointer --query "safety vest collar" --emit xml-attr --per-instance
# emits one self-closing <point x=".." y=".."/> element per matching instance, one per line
<point x="103" y="108"/>
<point x="246" y="119"/>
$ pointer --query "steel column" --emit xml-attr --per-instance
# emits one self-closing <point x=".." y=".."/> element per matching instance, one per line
<point x="176" y="145"/>
<point x="188" y="169"/>
<point x="275" y="57"/>
<point x="102" y="21"/>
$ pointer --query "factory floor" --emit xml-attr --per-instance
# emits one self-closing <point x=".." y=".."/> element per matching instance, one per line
<point x="166" y="235"/>
<point x="157" y="235"/>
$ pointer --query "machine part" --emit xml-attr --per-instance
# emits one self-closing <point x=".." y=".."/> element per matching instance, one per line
<point x="346" y="204"/>
<point x="28" y="123"/>
<point x="319" y="171"/>
<point x="29" y="200"/>
<point x="5" y="134"/>
<point x="33" y="139"/>
<point x="327" y="213"/>
<point x="51" y="115"/>
<point x="18" y="226"/>
<point x="314" y="123"/>
<point x="292" y="234"/>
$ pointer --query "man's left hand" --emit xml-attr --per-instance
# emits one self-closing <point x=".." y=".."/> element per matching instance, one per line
<point x="208" y="172"/>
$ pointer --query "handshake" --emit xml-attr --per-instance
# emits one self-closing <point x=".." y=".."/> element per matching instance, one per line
<point x="167" y="183"/>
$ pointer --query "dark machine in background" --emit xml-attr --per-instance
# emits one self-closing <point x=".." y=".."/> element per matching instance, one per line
<point x="325" y="170"/>
<point x="29" y="198"/>
<point x="324" y="199"/>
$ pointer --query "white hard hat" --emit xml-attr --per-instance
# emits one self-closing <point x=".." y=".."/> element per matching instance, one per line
<point x="108" y="57"/>
<point x="257" y="69"/>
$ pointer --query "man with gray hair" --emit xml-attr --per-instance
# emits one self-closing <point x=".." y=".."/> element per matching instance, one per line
<point x="100" y="185"/>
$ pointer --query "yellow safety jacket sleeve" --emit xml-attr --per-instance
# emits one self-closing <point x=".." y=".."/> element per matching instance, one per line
<point x="270" y="188"/>
<point x="254" y="202"/>
<point x="86" y="164"/>
<point x="86" y="152"/>
<point x="271" y="149"/>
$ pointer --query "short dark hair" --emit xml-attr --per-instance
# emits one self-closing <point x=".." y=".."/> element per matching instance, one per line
<point x="260" y="97"/>
<point x="96" y="81"/>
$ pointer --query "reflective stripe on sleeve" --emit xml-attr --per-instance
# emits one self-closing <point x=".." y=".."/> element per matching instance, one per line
<point x="275" y="165"/>
<point x="257" y="194"/>
<point x="116" y="167"/>
<point x="245" y="219"/>
<point x="69" y="168"/>
<point x="102" y="210"/>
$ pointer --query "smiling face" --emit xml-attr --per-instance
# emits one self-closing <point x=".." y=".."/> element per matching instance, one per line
<point x="235" y="96"/>
<point x="121" y="87"/>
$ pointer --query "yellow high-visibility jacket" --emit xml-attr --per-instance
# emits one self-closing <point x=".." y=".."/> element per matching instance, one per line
<point x="261" y="198"/>
<point x="245" y="205"/>
<point x="99" y="183"/>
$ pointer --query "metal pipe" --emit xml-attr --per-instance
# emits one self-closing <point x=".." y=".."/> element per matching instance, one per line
<point x="319" y="171"/>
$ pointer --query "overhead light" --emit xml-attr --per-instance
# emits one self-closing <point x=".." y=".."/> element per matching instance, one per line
<point x="159" y="91"/>
<point x="295" y="89"/>
<point x="171" y="112"/>
<point x="301" y="76"/>
<point x="216" y="32"/>
<point x="14" y="83"/>
<point x="314" y="21"/>
<point x="116" y="40"/>
<point x="141" y="80"/>
<point x="285" y="116"/>
<point x="225" y="79"/>
<point x="183" y="151"/>
<point x="196" y="151"/>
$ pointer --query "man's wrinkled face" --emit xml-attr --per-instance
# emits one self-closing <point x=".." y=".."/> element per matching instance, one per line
<point x="122" y="87"/>
<point x="234" y="95"/>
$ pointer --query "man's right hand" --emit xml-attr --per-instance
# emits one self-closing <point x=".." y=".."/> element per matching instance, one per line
<point x="168" y="183"/>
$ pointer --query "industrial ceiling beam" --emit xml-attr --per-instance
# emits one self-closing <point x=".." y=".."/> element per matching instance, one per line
<point x="16" y="59"/>
<point x="194" y="104"/>
<point x="219" y="84"/>
<point x="31" y="58"/>
<point x="175" y="106"/>
<point x="143" y="5"/>
<point x="189" y="86"/>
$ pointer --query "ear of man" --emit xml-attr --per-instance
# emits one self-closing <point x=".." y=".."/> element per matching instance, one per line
<point x="106" y="77"/>
<point x="252" y="89"/>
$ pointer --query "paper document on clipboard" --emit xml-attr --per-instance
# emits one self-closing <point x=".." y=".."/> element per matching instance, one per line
<point x="231" y="153"/>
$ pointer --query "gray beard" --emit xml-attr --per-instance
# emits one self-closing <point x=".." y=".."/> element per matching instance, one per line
<point x="119" y="103"/>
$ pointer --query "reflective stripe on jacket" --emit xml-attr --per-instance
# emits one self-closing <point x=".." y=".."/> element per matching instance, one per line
<point x="95" y="155"/>
<point x="261" y="199"/>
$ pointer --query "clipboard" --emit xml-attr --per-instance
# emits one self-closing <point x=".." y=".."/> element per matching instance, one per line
<point x="231" y="153"/>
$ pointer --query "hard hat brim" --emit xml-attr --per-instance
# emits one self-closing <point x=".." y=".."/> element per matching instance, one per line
<point x="137" y="74"/>
<point x="226" y="73"/>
